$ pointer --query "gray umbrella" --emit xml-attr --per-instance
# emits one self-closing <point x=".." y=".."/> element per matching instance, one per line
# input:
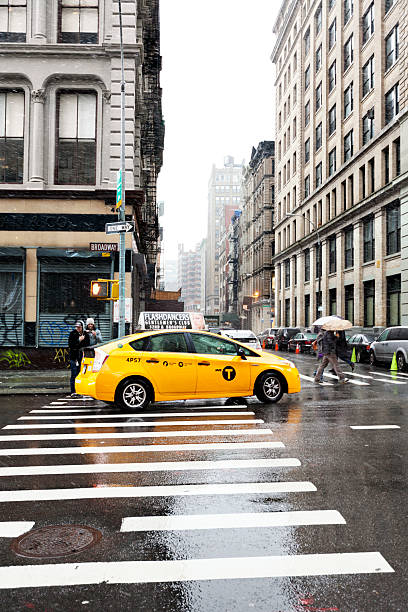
<point x="324" y="320"/>
<point x="337" y="324"/>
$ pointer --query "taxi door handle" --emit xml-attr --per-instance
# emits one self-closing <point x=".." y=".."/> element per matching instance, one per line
<point x="206" y="363"/>
<point x="152" y="361"/>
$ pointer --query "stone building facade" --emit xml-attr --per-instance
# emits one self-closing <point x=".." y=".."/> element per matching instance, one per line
<point x="59" y="156"/>
<point x="341" y="165"/>
<point x="257" y="239"/>
<point x="189" y="270"/>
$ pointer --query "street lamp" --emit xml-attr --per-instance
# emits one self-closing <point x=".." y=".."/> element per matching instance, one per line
<point x="319" y="245"/>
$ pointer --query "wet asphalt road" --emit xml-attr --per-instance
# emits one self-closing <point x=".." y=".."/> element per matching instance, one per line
<point x="359" y="474"/>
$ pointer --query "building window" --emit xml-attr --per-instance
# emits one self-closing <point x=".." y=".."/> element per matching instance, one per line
<point x="332" y="76"/>
<point x="307" y="41"/>
<point x="332" y="119"/>
<point x="332" y="34"/>
<point x="332" y="301"/>
<point x="368" y="76"/>
<point x="287" y="274"/>
<point x="307" y="186"/>
<point x="307" y="150"/>
<point x="348" y="100"/>
<point x="318" y="20"/>
<point x="318" y="264"/>
<point x="397" y="156"/>
<point x="307" y="265"/>
<point x="287" y="312"/>
<point x="348" y="145"/>
<point x="362" y="183"/>
<point x="318" y="136"/>
<point x="76" y="138"/>
<point x="388" y="5"/>
<point x="371" y="175"/>
<point x="318" y="63"/>
<point x="386" y="164"/>
<point x="318" y="174"/>
<point x="368" y="23"/>
<point x="332" y="161"/>
<point x="391" y="48"/>
<point x="348" y="10"/>
<point x="11" y="136"/>
<point x="78" y="21"/>
<point x="349" y="302"/>
<point x="393" y="229"/>
<point x="307" y="77"/>
<point x="307" y="310"/>
<point x="13" y="20"/>
<point x="318" y="304"/>
<point x="348" y="248"/>
<point x="307" y="113"/>
<point x="393" y="300"/>
<point x="392" y="103"/>
<point x="369" y="239"/>
<point x="348" y="53"/>
<point x="332" y="255"/>
<point x="294" y="128"/>
<point x="368" y="126"/>
<point x="295" y="259"/>
<point x="331" y="4"/>
<point x="318" y="96"/>
<point x="369" y="303"/>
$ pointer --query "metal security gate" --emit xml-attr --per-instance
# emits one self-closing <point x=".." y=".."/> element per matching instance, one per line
<point x="64" y="286"/>
<point x="11" y="302"/>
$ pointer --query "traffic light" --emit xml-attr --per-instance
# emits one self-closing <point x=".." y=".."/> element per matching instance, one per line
<point x="105" y="289"/>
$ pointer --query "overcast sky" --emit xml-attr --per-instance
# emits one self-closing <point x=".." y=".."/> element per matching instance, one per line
<point x="218" y="100"/>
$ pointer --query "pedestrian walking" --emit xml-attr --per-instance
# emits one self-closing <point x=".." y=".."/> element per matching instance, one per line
<point x="343" y="351"/>
<point x="78" y="338"/>
<point x="329" y="343"/>
<point x="95" y="336"/>
<point x="317" y="346"/>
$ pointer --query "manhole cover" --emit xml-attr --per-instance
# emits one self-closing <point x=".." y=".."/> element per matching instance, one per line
<point x="55" y="541"/>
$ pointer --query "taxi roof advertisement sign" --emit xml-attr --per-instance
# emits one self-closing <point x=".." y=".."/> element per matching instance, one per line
<point x="166" y="320"/>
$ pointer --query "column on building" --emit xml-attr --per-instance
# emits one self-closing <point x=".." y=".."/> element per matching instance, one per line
<point x="39" y="24"/>
<point x="277" y="294"/>
<point x="300" y="289"/>
<point x="312" y="284"/>
<point x="340" y="273"/>
<point x="404" y="256"/>
<point x="379" y="274"/>
<point x="358" y="243"/>
<point x="325" y="279"/>
<point x="37" y="148"/>
<point x="293" y="313"/>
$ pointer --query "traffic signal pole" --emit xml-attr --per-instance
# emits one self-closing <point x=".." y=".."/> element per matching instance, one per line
<point x="121" y="210"/>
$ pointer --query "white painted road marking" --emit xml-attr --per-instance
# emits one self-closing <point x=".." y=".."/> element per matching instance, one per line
<point x="375" y="427"/>
<point x="131" y="572"/>
<point x="13" y="529"/>
<point x="139" y="434"/>
<point x="149" y="448"/>
<point x="136" y="424"/>
<point x="311" y="379"/>
<point x="353" y="382"/>
<point x="241" y="520"/>
<point x="394" y="375"/>
<point x="109" y="492"/>
<point x="157" y="466"/>
<point x="130" y="415"/>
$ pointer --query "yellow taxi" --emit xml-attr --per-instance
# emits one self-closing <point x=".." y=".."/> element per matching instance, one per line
<point x="157" y="366"/>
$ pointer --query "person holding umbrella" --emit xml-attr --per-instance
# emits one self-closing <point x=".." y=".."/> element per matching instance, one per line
<point x="329" y="346"/>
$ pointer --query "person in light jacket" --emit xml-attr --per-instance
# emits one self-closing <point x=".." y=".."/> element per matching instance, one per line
<point x="95" y="336"/>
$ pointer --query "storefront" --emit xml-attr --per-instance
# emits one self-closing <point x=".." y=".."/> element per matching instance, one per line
<point x="12" y="282"/>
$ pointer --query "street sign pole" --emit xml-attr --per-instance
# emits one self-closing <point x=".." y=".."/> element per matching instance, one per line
<point x="121" y="210"/>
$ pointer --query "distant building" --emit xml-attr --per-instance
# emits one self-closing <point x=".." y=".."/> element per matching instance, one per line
<point x="189" y="277"/>
<point x="170" y="275"/>
<point x="224" y="196"/>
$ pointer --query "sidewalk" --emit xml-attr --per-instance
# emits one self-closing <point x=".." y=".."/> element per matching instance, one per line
<point x="40" y="381"/>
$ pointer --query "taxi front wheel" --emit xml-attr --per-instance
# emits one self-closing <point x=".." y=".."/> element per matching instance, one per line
<point x="133" y="394"/>
<point x="269" y="388"/>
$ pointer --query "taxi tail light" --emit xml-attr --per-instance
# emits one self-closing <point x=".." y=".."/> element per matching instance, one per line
<point x="100" y="358"/>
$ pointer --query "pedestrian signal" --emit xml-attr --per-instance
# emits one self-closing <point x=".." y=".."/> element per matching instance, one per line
<point x="105" y="289"/>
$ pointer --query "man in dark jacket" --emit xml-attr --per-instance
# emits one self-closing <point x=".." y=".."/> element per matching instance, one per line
<point x="78" y="338"/>
<point x="329" y="344"/>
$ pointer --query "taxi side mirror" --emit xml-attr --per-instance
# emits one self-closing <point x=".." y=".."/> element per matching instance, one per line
<point x="241" y="353"/>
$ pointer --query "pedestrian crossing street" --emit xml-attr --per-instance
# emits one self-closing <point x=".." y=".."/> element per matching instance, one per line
<point x="207" y="430"/>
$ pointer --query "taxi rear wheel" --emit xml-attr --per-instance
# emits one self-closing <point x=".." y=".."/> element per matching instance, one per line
<point x="133" y="394"/>
<point x="269" y="388"/>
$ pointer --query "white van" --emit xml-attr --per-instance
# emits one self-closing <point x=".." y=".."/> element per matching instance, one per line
<point x="171" y="320"/>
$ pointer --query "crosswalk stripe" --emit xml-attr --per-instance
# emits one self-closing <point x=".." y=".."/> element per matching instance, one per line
<point x="390" y="382"/>
<point x="353" y="382"/>
<point x="136" y="424"/>
<point x="157" y="466"/>
<point x="311" y="379"/>
<point x="139" y="434"/>
<point x="131" y="415"/>
<point x="220" y="568"/>
<point x="395" y="375"/>
<point x="110" y="492"/>
<point x="240" y="520"/>
<point x="78" y="399"/>
<point x="359" y="375"/>
<point x="150" y="448"/>
<point x="13" y="529"/>
<point x="375" y="427"/>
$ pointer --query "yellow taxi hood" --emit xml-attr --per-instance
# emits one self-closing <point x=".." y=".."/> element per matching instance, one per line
<point x="269" y="358"/>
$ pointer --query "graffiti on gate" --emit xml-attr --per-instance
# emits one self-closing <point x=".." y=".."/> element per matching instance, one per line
<point x="56" y="333"/>
<point x="61" y="356"/>
<point x="10" y="329"/>
<point x="14" y="359"/>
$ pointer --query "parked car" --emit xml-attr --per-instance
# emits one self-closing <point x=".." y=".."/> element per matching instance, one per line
<point x="304" y="340"/>
<point x="391" y="340"/>
<point x="268" y="336"/>
<point x="361" y="343"/>
<point x="244" y="336"/>
<point x="284" y="334"/>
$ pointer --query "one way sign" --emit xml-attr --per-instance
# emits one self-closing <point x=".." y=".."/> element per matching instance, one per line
<point x="119" y="227"/>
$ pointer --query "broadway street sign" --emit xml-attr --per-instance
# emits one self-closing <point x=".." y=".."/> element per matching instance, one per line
<point x="119" y="227"/>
